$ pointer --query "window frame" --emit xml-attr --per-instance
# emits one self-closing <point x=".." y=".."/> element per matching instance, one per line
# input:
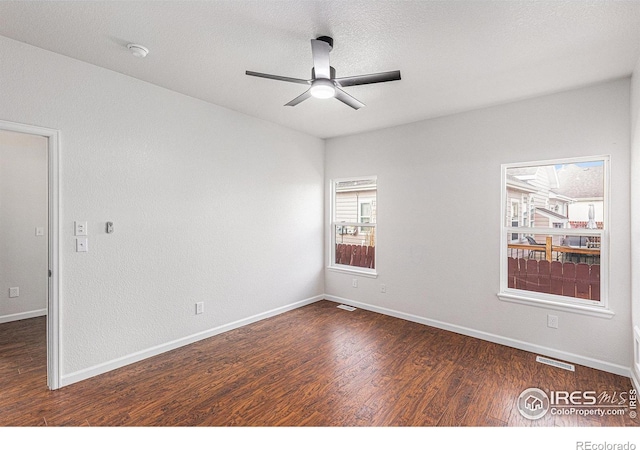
<point x="551" y="301"/>
<point x="332" y="265"/>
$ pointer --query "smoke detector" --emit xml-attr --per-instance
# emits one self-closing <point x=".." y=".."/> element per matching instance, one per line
<point x="138" y="50"/>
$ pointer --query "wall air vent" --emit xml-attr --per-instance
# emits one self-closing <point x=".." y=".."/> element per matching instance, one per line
<point x="554" y="363"/>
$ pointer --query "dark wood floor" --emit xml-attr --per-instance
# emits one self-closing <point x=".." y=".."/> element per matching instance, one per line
<point x="314" y="366"/>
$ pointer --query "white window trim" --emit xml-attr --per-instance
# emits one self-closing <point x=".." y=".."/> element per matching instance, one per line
<point x="370" y="273"/>
<point x="331" y="265"/>
<point x="550" y="301"/>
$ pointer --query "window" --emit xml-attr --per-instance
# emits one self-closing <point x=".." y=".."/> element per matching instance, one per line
<point x="515" y="216"/>
<point x="365" y="210"/>
<point x="353" y="225"/>
<point x="558" y="256"/>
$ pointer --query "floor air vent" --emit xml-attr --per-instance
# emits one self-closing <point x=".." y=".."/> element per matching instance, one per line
<point x="554" y="363"/>
<point x="346" y="307"/>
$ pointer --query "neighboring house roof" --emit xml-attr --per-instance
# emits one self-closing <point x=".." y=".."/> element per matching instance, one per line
<point x="540" y="177"/>
<point x="579" y="182"/>
<point x="515" y="183"/>
<point x="552" y="214"/>
<point x="519" y="171"/>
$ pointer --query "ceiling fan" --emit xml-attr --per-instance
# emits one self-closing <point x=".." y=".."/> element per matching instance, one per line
<point x="323" y="82"/>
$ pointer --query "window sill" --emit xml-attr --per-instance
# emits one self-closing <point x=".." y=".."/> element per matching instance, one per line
<point x="597" y="311"/>
<point x="354" y="271"/>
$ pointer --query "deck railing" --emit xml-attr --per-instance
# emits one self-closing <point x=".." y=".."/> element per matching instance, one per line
<point x="549" y="251"/>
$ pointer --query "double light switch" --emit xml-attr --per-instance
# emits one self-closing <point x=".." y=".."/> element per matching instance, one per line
<point x="80" y="229"/>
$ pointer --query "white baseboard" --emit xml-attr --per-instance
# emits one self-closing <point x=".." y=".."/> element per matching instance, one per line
<point x="23" y="315"/>
<point x="527" y="346"/>
<point x="98" y="369"/>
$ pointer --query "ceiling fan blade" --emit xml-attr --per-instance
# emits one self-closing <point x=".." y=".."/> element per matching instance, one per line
<point x="277" y="77"/>
<point x="300" y="98"/>
<point x="320" y="50"/>
<point x="347" y="99"/>
<point x="369" y="79"/>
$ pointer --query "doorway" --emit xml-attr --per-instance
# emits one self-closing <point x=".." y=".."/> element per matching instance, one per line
<point x="31" y="154"/>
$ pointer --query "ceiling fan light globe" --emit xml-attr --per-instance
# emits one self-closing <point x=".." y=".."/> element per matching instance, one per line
<point x="323" y="88"/>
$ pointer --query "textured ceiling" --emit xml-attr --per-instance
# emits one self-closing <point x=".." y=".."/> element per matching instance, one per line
<point x="453" y="55"/>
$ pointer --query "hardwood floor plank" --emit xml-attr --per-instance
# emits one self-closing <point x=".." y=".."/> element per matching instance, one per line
<point x="460" y="404"/>
<point x="314" y="366"/>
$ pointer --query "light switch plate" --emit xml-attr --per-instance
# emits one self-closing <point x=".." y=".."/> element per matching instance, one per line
<point x="80" y="228"/>
<point x="39" y="231"/>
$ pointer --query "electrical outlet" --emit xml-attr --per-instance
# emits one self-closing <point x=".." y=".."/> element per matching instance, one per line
<point x="552" y="321"/>
<point x="14" y="292"/>
<point x="199" y="307"/>
<point x="354" y="282"/>
<point x="82" y="245"/>
<point x="383" y="288"/>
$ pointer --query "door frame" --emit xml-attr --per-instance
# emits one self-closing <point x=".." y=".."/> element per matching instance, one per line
<point x="53" y="313"/>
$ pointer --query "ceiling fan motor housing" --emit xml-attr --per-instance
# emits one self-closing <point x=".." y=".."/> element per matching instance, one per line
<point x="332" y="73"/>
<point x="327" y="39"/>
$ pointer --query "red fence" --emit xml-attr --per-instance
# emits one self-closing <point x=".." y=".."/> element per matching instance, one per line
<point x="356" y="255"/>
<point x="568" y="279"/>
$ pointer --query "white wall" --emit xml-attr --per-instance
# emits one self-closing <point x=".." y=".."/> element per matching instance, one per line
<point x="184" y="182"/>
<point x="442" y="177"/>
<point x="635" y="215"/>
<point x="23" y="208"/>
